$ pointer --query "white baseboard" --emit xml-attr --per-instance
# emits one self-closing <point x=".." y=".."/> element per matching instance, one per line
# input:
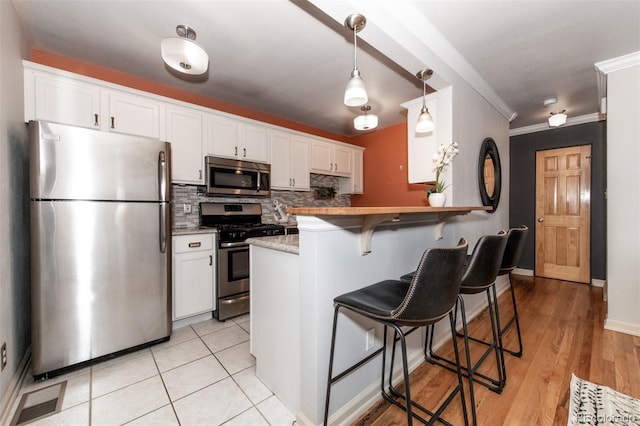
<point x="598" y="283"/>
<point x="11" y="395"/>
<point x="525" y="272"/>
<point x="622" y="327"/>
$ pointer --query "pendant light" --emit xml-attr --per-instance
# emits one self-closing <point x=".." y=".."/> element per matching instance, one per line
<point x="365" y="121"/>
<point x="557" y="119"/>
<point x="425" y="121"/>
<point x="355" y="93"/>
<point x="183" y="54"/>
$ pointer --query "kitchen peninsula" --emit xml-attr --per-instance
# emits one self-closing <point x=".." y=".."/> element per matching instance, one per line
<point x="293" y="285"/>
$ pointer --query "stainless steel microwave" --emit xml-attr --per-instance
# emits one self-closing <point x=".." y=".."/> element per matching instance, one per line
<point x="237" y="177"/>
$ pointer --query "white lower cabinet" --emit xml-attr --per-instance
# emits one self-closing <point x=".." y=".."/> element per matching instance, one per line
<point x="193" y="274"/>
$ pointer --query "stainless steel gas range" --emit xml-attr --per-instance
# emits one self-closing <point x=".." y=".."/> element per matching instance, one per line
<point x="235" y="223"/>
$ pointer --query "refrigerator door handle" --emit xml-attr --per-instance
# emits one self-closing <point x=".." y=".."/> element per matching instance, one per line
<point x="163" y="227"/>
<point x="162" y="176"/>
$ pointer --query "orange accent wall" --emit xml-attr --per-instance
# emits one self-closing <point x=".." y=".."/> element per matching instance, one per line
<point x="385" y="170"/>
<point x="135" y="82"/>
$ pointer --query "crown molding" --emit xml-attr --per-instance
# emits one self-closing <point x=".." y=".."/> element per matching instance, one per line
<point x="619" y="63"/>
<point x="581" y="119"/>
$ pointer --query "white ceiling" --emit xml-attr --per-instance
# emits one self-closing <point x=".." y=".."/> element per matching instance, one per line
<point x="291" y="59"/>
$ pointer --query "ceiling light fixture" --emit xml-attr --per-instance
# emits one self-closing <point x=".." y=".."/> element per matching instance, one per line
<point x="425" y="121"/>
<point x="557" y="118"/>
<point x="183" y="54"/>
<point x="365" y="121"/>
<point x="356" y="93"/>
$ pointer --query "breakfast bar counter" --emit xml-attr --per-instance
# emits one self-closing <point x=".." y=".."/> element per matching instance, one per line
<point x="338" y="250"/>
<point x="373" y="216"/>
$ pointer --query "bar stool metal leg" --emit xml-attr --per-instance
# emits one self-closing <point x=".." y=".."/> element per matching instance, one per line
<point x="435" y="416"/>
<point x="514" y="319"/>
<point x="470" y="370"/>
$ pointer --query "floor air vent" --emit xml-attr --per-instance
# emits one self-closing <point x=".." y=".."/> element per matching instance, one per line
<point x="39" y="404"/>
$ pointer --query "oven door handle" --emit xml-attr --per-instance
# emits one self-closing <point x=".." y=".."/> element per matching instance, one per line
<point x="236" y="244"/>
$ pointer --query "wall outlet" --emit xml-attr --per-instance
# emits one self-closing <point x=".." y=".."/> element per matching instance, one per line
<point x="187" y="208"/>
<point x="370" y="339"/>
<point x="3" y="356"/>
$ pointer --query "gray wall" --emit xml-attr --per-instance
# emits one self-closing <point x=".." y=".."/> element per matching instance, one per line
<point x="523" y="182"/>
<point x="14" y="202"/>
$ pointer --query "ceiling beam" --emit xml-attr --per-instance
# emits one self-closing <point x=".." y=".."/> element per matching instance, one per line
<point x="401" y="32"/>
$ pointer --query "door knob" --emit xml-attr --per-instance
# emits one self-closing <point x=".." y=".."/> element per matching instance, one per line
<point x="541" y="219"/>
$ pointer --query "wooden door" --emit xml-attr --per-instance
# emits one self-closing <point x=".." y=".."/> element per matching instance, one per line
<point x="563" y="211"/>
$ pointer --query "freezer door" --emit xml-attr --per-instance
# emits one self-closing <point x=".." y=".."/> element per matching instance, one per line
<point x="100" y="280"/>
<point x="72" y="163"/>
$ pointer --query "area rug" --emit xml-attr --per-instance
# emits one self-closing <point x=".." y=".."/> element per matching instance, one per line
<point x="593" y="404"/>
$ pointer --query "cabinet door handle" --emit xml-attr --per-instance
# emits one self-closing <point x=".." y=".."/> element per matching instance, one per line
<point x="236" y="152"/>
<point x="96" y="122"/>
<point x="210" y="260"/>
<point x="113" y="122"/>
<point x="200" y="174"/>
<point x="195" y="245"/>
<point x="294" y="182"/>
<point x="244" y="152"/>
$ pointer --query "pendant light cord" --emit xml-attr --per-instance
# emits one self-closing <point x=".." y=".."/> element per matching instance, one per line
<point x="355" y="47"/>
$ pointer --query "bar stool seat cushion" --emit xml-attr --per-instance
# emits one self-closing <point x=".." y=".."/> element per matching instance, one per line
<point x="379" y="300"/>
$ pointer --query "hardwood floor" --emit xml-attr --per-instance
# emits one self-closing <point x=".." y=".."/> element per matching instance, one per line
<point x="562" y="329"/>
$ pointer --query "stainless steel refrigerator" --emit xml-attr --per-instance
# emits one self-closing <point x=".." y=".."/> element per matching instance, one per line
<point x="100" y="244"/>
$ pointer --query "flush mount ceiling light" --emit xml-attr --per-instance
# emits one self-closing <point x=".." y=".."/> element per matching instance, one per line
<point x="355" y="93"/>
<point x="365" y="121"/>
<point x="183" y="54"/>
<point x="557" y="118"/>
<point x="425" y="121"/>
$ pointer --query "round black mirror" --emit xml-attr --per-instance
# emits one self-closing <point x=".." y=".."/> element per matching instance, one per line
<point x="489" y="174"/>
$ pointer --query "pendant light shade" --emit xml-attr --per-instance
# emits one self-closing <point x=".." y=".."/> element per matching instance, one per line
<point x="557" y="119"/>
<point x="183" y="54"/>
<point x="355" y="94"/>
<point x="365" y="121"/>
<point x="425" y="121"/>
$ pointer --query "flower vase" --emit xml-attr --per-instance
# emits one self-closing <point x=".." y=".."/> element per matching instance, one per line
<point x="437" y="199"/>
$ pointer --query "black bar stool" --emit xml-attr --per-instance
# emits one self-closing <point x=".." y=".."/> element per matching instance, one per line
<point x="479" y="276"/>
<point x="480" y="273"/>
<point x="426" y="299"/>
<point x="515" y="242"/>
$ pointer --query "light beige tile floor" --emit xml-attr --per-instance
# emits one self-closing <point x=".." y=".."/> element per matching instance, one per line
<point x="204" y="375"/>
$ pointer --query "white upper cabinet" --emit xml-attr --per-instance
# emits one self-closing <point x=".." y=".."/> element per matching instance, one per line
<point x="354" y="184"/>
<point x="252" y="142"/>
<point x="289" y="161"/>
<point x="232" y="138"/>
<point x="422" y="147"/>
<point x="185" y="130"/>
<point x="222" y="136"/>
<point x="330" y="159"/>
<point x="62" y="100"/>
<point x="194" y="132"/>
<point x="134" y="115"/>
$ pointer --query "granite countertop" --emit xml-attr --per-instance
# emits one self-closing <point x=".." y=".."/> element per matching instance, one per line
<point x="286" y="243"/>
<point x="186" y="230"/>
